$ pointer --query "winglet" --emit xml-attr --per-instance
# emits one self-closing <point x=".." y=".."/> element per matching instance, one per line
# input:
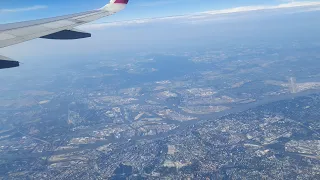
<point x="115" y="5"/>
<point x="120" y="1"/>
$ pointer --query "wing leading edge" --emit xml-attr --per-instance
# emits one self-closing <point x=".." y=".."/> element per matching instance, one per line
<point x="61" y="27"/>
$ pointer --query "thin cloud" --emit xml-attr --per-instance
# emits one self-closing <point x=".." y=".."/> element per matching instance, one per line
<point x="24" y="9"/>
<point x="306" y="6"/>
<point x="259" y="8"/>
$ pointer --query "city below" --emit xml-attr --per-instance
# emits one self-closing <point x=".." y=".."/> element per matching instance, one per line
<point x="239" y="113"/>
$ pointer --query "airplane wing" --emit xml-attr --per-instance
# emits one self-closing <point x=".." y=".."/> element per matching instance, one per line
<point x="61" y="27"/>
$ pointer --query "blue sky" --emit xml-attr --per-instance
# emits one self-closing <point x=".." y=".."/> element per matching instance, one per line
<point x="17" y="10"/>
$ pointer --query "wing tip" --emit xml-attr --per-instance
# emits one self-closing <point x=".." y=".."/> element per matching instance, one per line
<point x="115" y="5"/>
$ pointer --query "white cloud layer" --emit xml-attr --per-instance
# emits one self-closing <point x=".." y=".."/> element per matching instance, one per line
<point x="303" y="6"/>
<point x="259" y="8"/>
<point x="24" y="9"/>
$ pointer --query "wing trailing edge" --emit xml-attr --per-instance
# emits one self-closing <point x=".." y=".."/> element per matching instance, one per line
<point x="68" y="35"/>
<point x="6" y="62"/>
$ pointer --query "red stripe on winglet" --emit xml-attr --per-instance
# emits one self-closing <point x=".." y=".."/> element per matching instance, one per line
<point x="122" y="1"/>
